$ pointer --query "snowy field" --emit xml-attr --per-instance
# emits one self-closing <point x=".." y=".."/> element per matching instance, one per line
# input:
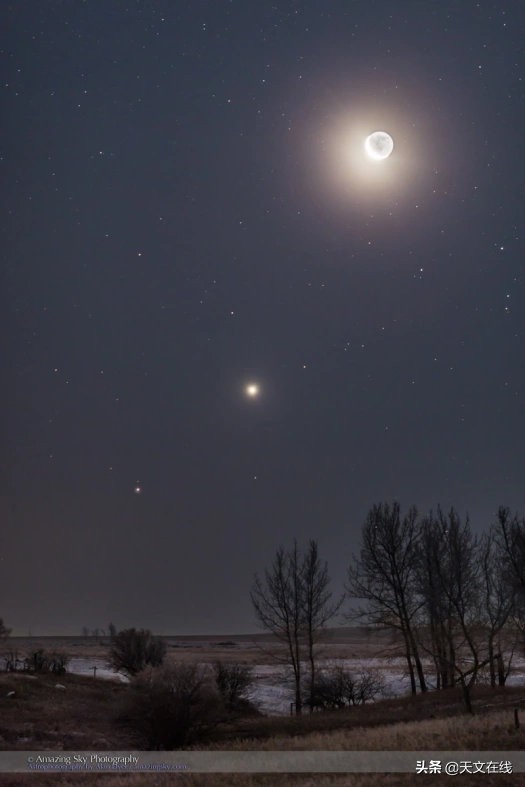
<point x="85" y="666"/>
<point x="273" y="691"/>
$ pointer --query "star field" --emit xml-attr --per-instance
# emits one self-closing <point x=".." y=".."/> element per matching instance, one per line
<point x="223" y="327"/>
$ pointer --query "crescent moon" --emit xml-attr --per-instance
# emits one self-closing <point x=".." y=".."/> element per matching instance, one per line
<point x="379" y="145"/>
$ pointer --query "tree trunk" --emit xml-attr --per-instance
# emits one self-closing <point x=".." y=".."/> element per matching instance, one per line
<point x="408" y="656"/>
<point x="417" y="660"/>
<point x="298" y="688"/>
<point x="451" y="667"/>
<point x="466" y="695"/>
<point x="442" y="656"/>
<point x="502" y="678"/>
<point x="298" y="698"/>
<point x="420" y="673"/>
<point x="491" y="661"/>
<point x="312" y="678"/>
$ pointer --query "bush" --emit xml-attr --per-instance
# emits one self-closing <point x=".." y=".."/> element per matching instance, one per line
<point x="46" y="661"/>
<point x="12" y="660"/>
<point x="58" y="663"/>
<point x="233" y="682"/>
<point x="132" y="650"/>
<point x="172" y="706"/>
<point x="368" y="686"/>
<point x="37" y="661"/>
<point x="339" y="688"/>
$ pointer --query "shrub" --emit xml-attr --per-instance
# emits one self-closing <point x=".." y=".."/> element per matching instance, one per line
<point x="368" y="686"/>
<point x="339" y="688"/>
<point x="233" y="682"/>
<point x="58" y="663"/>
<point x="132" y="650"/>
<point x="46" y="661"/>
<point x="37" y="661"/>
<point x="172" y="706"/>
<point x="12" y="660"/>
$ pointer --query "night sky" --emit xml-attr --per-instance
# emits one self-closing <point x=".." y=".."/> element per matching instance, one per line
<point x="189" y="210"/>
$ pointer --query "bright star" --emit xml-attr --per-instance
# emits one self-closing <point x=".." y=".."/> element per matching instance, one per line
<point x="252" y="390"/>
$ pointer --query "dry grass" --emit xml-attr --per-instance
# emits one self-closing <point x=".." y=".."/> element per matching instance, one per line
<point x="87" y="706"/>
<point x="494" y="730"/>
<point x="431" y="706"/>
<point x="234" y="780"/>
<point x="462" y="734"/>
<point x="40" y="716"/>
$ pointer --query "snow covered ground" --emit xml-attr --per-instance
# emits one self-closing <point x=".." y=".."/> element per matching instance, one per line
<point x="273" y="690"/>
<point x="85" y="666"/>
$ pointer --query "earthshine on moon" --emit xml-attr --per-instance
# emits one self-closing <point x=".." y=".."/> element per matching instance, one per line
<point x="379" y="145"/>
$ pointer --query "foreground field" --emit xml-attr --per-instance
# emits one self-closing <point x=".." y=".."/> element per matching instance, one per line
<point x="492" y="730"/>
<point x="82" y="716"/>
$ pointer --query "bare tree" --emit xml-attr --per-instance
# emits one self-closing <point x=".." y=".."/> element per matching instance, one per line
<point x="384" y="577"/>
<point x="318" y="606"/>
<point x="294" y="603"/>
<point x="436" y="614"/>
<point x="510" y="534"/>
<point x="499" y="596"/>
<point x="456" y="595"/>
<point x="4" y="631"/>
<point x="277" y="602"/>
<point x="10" y="656"/>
